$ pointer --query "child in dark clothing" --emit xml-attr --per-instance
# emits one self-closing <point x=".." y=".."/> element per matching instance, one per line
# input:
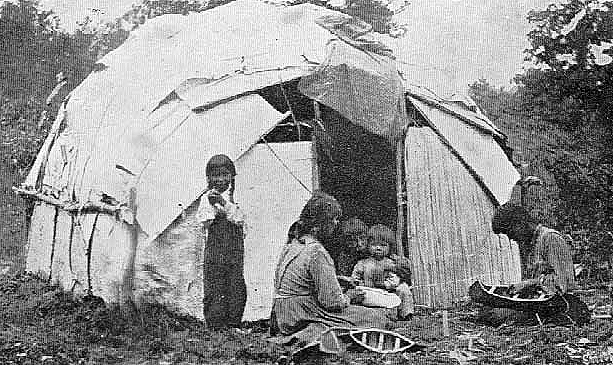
<point x="352" y="247"/>
<point x="225" y="291"/>
<point x="381" y="271"/>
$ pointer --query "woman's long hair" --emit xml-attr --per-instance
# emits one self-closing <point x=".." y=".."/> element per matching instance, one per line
<point x="293" y="232"/>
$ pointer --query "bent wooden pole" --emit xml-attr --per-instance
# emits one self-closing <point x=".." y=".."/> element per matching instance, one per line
<point x="400" y="197"/>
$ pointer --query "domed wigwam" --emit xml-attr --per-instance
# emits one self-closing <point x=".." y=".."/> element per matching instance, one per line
<point x="299" y="97"/>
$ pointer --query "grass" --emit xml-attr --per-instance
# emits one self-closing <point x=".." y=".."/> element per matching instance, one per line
<point x="20" y="138"/>
<point x="39" y="323"/>
<point x="13" y="231"/>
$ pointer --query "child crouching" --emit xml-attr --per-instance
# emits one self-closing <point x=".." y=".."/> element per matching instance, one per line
<point x="381" y="271"/>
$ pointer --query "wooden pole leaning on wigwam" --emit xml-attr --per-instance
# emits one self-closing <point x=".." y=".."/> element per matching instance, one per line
<point x="125" y="215"/>
<point x="126" y="300"/>
<point x="314" y="141"/>
<point x="400" y="196"/>
<point x="96" y="207"/>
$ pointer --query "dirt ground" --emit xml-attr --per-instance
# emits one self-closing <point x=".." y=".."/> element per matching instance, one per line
<point x="40" y="324"/>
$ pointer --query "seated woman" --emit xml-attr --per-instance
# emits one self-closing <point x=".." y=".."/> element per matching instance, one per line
<point x="308" y="298"/>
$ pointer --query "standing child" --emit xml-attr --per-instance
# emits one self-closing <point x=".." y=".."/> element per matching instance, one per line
<point x="225" y="292"/>
<point x="381" y="271"/>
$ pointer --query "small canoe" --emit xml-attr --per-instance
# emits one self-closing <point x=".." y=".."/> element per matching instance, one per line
<point x="381" y="341"/>
<point x="541" y="303"/>
<point x="501" y="296"/>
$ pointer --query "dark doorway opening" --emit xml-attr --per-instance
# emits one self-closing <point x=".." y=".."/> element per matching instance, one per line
<point x="355" y="166"/>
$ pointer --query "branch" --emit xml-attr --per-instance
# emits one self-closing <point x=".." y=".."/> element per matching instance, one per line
<point x="88" y="207"/>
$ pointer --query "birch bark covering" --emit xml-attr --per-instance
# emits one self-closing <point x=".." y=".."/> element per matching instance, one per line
<point x="91" y="253"/>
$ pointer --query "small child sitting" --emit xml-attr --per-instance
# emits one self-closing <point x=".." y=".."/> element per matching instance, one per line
<point x="381" y="271"/>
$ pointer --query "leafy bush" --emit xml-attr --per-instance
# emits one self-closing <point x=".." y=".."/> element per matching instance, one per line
<point x="533" y="142"/>
<point x="21" y="137"/>
<point x="573" y="89"/>
<point x="33" y="50"/>
<point x="570" y="90"/>
<point x="568" y="101"/>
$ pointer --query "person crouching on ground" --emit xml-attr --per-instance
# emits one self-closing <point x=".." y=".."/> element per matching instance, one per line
<point x="546" y="267"/>
<point x="383" y="272"/>
<point x="546" y="256"/>
<point x="224" y="289"/>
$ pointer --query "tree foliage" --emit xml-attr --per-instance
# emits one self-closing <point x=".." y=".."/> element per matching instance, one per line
<point x="570" y="45"/>
<point x="33" y="50"/>
<point x="572" y="87"/>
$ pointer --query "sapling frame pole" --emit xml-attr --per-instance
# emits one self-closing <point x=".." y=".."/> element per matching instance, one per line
<point x="314" y="153"/>
<point x="400" y="196"/>
<point x="127" y="293"/>
<point x="69" y="206"/>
